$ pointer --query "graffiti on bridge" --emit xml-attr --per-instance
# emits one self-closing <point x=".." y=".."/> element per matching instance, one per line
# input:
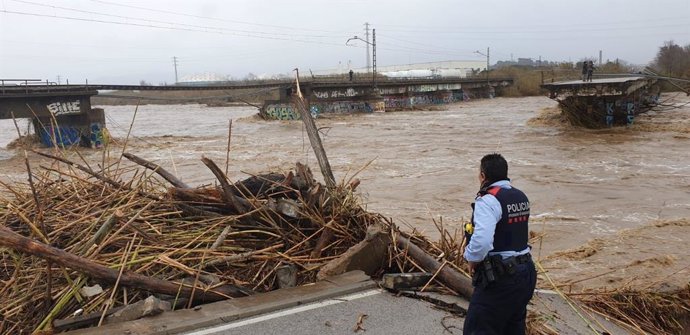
<point x="99" y="136"/>
<point x="63" y="136"/>
<point x="64" y="108"/>
<point x="437" y="98"/>
<point x="285" y="111"/>
<point x="282" y="112"/>
<point x="350" y="92"/>
<point x="95" y="136"/>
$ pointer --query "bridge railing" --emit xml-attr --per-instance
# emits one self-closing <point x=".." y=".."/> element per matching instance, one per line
<point x="25" y="83"/>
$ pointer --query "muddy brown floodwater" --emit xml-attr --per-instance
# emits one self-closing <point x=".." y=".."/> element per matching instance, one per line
<point x="607" y="200"/>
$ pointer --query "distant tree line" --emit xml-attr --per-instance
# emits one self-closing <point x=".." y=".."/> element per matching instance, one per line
<point x="673" y="60"/>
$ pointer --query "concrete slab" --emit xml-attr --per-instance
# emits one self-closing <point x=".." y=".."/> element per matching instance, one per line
<point x="230" y="310"/>
<point x="333" y="306"/>
<point x="391" y="314"/>
<point x="385" y="314"/>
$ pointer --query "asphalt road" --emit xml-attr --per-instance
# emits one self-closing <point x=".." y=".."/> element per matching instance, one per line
<point x="385" y="314"/>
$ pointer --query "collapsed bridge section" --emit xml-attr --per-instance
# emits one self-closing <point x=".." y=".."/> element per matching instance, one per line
<point x="604" y="102"/>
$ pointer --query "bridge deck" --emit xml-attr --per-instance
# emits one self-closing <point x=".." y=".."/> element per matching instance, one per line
<point x="598" y="87"/>
<point x="7" y="90"/>
<point x="598" y="81"/>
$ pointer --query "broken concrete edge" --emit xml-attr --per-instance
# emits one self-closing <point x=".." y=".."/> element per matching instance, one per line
<point x="175" y="322"/>
<point x="370" y="255"/>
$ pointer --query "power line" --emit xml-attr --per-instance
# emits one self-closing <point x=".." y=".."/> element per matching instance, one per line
<point x="426" y="45"/>
<point x="211" y="18"/>
<point x="542" y="31"/>
<point x="394" y="47"/>
<point x="165" y="22"/>
<point x="219" y="56"/>
<point x="163" y="27"/>
<point x="607" y="23"/>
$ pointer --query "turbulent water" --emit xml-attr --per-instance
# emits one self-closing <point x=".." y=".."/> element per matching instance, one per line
<point x="582" y="184"/>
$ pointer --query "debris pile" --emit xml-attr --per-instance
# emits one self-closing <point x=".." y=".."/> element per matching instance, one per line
<point x="643" y="310"/>
<point x="72" y="228"/>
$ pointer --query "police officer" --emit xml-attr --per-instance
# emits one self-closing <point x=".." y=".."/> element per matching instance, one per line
<point x="504" y="276"/>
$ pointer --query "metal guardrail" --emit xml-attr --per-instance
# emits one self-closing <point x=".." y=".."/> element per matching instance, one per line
<point x="26" y="83"/>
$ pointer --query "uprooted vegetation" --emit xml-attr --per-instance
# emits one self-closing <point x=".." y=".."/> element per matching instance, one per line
<point x="221" y="242"/>
<point x="72" y="229"/>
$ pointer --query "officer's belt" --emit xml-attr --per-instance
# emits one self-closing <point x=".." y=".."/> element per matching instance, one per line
<point x="520" y="259"/>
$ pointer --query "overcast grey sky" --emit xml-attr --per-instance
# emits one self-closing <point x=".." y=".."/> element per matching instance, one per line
<point x="124" y="41"/>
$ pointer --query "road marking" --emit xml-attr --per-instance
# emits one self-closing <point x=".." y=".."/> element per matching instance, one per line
<point x="285" y="312"/>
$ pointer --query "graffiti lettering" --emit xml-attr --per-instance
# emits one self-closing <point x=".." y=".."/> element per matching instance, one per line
<point x="282" y="112"/>
<point x="62" y="108"/>
<point x="350" y="92"/>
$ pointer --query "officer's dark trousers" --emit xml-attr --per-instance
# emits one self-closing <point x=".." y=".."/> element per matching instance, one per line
<point x="501" y="308"/>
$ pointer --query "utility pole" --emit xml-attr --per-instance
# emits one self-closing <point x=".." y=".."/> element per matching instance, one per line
<point x="373" y="45"/>
<point x="373" y="60"/>
<point x="488" y="82"/>
<point x="175" y="65"/>
<point x="487" y="66"/>
<point x="487" y="62"/>
<point x="366" y="37"/>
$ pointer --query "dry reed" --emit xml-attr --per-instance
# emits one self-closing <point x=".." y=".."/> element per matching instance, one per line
<point x="173" y="234"/>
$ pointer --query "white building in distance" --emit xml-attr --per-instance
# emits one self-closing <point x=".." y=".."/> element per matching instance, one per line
<point x="451" y="68"/>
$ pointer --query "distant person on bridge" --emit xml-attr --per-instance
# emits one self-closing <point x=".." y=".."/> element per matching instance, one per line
<point x="352" y="74"/>
<point x="585" y="70"/>
<point x="503" y="274"/>
<point x="590" y="69"/>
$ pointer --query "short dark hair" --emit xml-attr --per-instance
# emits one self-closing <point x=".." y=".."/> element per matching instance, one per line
<point x="495" y="167"/>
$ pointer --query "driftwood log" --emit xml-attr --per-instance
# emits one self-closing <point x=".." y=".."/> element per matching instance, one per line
<point x="10" y="239"/>
<point x="238" y="204"/>
<point x="453" y="279"/>
<point x="314" y="138"/>
<point x="157" y="169"/>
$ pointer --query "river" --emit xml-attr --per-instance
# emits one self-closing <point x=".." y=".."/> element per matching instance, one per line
<point x="583" y="185"/>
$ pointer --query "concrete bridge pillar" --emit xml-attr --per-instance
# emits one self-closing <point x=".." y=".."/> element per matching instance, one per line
<point x="83" y="129"/>
<point x="60" y="116"/>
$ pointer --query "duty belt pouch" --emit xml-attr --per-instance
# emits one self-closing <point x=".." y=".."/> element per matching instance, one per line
<point x="510" y="266"/>
<point x="497" y="265"/>
<point x="484" y="275"/>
